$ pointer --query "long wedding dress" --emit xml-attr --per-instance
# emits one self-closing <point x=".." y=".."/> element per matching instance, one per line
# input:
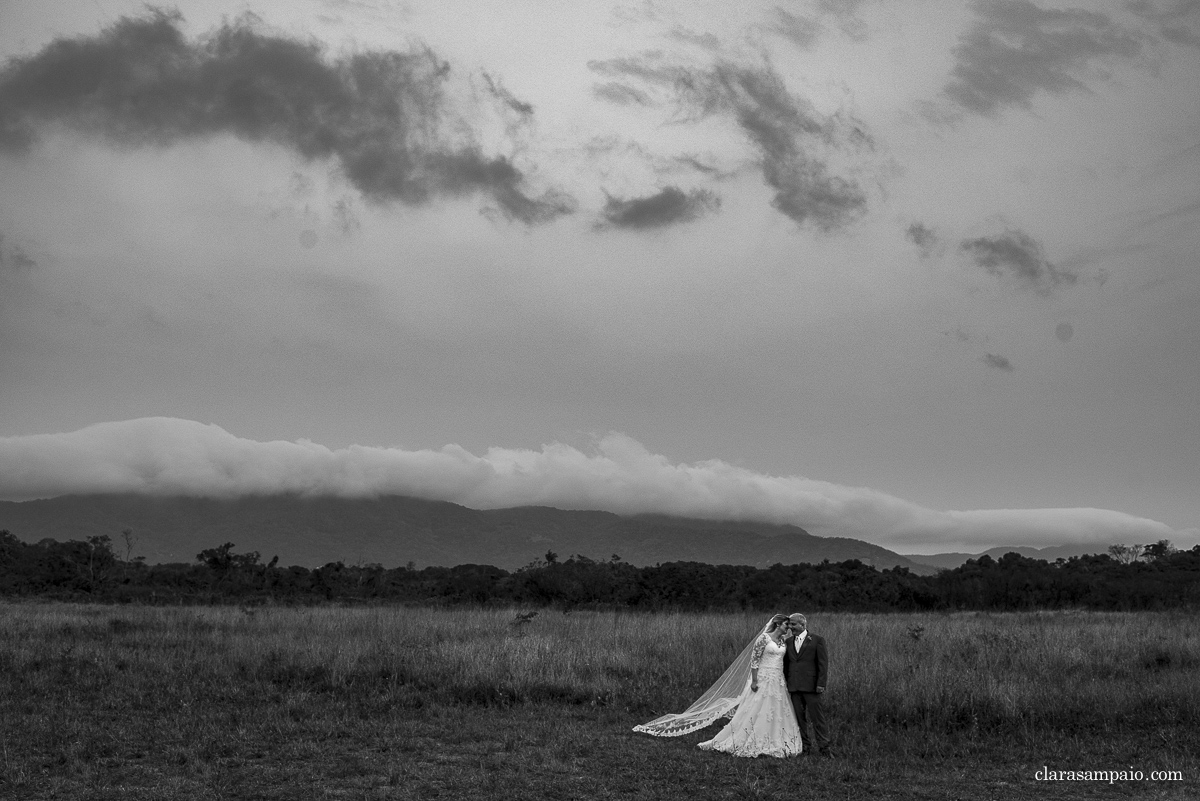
<point x="764" y="723"/>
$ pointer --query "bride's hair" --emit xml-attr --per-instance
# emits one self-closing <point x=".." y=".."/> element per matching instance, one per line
<point x="775" y="621"/>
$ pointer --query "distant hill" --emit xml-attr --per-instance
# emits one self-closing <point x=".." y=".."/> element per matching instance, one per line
<point x="949" y="561"/>
<point x="394" y="530"/>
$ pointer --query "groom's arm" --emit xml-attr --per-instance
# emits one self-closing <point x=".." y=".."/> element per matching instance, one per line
<point x="822" y="665"/>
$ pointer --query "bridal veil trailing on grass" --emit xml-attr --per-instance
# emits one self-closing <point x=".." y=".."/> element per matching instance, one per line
<point x="718" y="701"/>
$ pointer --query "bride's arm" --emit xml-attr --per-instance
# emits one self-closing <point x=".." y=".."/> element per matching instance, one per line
<point x="759" y="647"/>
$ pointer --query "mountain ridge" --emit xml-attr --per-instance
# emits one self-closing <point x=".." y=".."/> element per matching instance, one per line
<point x="393" y="530"/>
<point x="951" y="560"/>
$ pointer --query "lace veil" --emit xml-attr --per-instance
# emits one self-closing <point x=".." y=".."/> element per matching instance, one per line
<point x="720" y="700"/>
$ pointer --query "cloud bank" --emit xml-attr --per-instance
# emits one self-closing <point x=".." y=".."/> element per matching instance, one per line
<point x="381" y="115"/>
<point x="172" y="456"/>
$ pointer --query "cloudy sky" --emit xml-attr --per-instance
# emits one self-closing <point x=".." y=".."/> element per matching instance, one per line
<point x="922" y="273"/>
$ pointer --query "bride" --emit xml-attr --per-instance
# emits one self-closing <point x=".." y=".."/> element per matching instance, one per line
<point x="753" y="690"/>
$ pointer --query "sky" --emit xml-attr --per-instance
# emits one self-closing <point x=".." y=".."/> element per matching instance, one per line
<point x="924" y="273"/>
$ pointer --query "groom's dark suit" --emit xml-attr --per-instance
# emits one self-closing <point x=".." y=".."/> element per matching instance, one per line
<point x="805" y="671"/>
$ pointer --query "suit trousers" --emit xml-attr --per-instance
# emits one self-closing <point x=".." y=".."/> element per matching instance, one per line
<point x="810" y="708"/>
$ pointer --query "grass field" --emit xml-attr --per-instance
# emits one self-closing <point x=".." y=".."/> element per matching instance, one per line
<point x="101" y="702"/>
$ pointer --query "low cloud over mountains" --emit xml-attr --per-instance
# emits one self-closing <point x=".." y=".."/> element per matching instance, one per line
<point x="172" y="456"/>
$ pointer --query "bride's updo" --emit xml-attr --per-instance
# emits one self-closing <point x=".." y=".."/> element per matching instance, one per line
<point x="775" y="621"/>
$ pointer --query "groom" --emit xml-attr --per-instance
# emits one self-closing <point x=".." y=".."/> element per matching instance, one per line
<point x="806" y="669"/>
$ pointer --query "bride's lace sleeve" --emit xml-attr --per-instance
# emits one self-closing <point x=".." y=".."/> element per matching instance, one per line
<point x="759" y="646"/>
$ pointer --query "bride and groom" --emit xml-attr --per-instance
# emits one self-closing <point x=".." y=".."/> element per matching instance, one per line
<point x="773" y="690"/>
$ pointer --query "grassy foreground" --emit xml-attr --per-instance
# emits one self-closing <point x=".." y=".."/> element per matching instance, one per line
<point x="103" y="702"/>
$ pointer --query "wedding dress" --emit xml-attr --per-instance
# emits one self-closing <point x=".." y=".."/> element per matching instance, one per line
<point x="764" y="723"/>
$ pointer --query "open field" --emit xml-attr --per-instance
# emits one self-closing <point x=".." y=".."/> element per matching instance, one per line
<point x="370" y="703"/>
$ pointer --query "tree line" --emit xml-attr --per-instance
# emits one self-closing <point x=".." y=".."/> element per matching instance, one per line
<point x="1126" y="578"/>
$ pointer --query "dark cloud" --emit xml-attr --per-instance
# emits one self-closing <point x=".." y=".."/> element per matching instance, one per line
<point x="777" y="123"/>
<point x="621" y="94"/>
<point x="1064" y="332"/>
<point x="1177" y="22"/>
<point x="13" y="257"/>
<point x="668" y="207"/>
<point x="924" y="238"/>
<point x="379" y="114"/>
<point x="1016" y="50"/>
<point x="998" y="362"/>
<point x="1017" y="255"/>
<point x="786" y="130"/>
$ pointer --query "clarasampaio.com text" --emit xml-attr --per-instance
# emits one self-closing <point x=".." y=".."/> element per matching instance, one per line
<point x="1110" y="776"/>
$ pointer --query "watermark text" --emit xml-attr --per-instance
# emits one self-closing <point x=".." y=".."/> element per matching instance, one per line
<point x="1131" y="774"/>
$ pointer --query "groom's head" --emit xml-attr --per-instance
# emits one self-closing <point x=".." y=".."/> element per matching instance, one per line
<point x="798" y="622"/>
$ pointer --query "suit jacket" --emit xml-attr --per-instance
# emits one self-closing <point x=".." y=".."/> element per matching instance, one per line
<point x="809" y="669"/>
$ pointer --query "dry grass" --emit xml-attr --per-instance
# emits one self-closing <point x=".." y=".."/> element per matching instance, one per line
<point x="124" y="702"/>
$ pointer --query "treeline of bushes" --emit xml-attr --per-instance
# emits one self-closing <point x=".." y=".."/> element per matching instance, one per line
<point x="1157" y="577"/>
